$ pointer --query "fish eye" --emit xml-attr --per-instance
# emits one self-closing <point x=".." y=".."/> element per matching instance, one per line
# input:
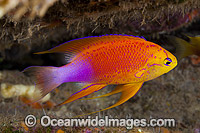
<point x="167" y="61"/>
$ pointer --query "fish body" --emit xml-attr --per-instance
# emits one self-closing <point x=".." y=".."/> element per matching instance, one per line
<point x="123" y="60"/>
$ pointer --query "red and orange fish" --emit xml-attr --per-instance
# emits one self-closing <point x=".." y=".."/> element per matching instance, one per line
<point x="123" y="60"/>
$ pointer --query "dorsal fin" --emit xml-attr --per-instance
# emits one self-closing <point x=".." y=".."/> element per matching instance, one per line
<point x="77" y="45"/>
<point x="73" y="47"/>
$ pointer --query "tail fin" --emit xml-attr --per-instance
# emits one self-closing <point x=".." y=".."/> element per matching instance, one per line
<point x="46" y="79"/>
<point x="183" y="48"/>
<point x="194" y="41"/>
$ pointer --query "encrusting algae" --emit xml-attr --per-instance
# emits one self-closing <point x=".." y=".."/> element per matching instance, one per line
<point x="123" y="60"/>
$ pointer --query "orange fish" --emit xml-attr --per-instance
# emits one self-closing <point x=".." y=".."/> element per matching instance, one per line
<point x="36" y="105"/>
<point x="123" y="60"/>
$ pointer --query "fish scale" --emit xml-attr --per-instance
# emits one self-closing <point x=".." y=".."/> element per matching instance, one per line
<point x="107" y="66"/>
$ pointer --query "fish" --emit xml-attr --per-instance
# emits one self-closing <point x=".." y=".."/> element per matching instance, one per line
<point x="122" y="60"/>
<point x="37" y="105"/>
<point x="184" y="48"/>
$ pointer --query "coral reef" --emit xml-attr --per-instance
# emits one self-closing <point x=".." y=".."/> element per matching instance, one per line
<point x="19" y="7"/>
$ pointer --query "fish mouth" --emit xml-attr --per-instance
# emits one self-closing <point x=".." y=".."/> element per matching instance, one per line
<point x="174" y="64"/>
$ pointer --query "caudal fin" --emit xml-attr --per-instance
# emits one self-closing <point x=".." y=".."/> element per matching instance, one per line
<point x="46" y="79"/>
<point x="183" y="48"/>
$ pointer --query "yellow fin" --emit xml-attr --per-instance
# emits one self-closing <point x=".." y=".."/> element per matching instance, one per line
<point x="183" y="48"/>
<point x="88" y="89"/>
<point x="127" y="90"/>
<point x="117" y="89"/>
<point x="195" y="41"/>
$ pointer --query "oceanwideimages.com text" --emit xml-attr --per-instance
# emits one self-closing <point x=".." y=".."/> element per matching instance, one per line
<point x="129" y="123"/>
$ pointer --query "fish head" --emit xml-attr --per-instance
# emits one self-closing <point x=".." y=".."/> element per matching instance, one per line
<point x="160" y="62"/>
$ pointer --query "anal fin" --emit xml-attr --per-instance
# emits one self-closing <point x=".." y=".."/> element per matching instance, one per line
<point x="127" y="90"/>
<point x="116" y="90"/>
<point x="88" y="89"/>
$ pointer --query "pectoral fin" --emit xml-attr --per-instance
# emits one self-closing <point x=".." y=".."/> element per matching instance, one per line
<point x="88" y="89"/>
<point x="127" y="90"/>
